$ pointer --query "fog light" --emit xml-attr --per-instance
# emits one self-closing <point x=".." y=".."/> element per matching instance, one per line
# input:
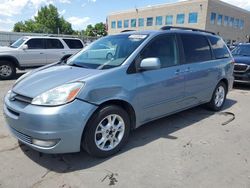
<point x="44" y="143"/>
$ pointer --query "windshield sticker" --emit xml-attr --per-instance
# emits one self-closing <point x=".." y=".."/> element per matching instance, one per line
<point x="137" y="37"/>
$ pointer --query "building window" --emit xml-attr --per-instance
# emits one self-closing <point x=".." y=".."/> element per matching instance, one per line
<point x="193" y="17"/>
<point x="231" y="22"/>
<point x="133" y="23"/>
<point x="113" y="24"/>
<point x="226" y="21"/>
<point x="219" y="21"/>
<point x="242" y="24"/>
<point x="236" y="23"/>
<point x="150" y="21"/>
<point x="180" y="18"/>
<point x="169" y="20"/>
<point x="119" y="24"/>
<point x="141" y="22"/>
<point x="126" y="23"/>
<point x="212" y="18"/>
<point x="158" y="20"/>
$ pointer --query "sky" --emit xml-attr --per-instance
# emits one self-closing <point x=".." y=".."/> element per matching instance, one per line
<point x="79" y="13"/>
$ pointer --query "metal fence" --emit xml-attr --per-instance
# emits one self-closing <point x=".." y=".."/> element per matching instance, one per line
<point x="7" y="38"/>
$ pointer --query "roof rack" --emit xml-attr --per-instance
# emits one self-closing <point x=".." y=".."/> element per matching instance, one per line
<point x="124" y="31"/>
<point x="186" y="28"/>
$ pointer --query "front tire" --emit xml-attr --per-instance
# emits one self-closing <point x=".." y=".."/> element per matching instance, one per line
<point x="7" y="70"/>
<point x="218" y="98"/>
<point x="107" y="131"/>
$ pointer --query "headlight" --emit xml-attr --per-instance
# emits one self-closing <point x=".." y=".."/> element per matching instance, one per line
<point x="59" y="95"/>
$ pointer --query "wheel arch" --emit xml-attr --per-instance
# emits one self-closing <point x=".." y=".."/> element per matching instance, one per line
<point x="11" y="59"/>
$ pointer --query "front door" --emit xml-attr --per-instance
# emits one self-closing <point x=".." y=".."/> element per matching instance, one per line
<point x="159" y="92"/>
<point x="35" y="55"/>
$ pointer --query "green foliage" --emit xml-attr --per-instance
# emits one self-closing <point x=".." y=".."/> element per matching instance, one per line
<point x="49" y="21"/>
<point x="46" y="21"/>
<point x="98" y="30"/>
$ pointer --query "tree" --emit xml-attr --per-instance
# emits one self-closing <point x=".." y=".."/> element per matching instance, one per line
<point x="46" y="21"/>
<point x="98" y="30"/>
<point x="19" y="27"/>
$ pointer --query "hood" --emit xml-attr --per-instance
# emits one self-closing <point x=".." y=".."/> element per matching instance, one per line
<point x="242" y="59"/>
<point x="6" y="49"/>
<point x="50" y="77"/>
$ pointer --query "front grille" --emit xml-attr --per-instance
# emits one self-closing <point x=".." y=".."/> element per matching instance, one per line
<point x="21" y="98"/>
<point x="240" y="67"/>
<point x="21" y="136"/>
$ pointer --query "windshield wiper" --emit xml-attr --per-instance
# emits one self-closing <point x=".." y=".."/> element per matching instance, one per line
<point x="79" y="65"/>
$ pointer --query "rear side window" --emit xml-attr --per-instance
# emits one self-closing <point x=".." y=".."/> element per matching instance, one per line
<point x="35" y="44"/>
<point x="54" y="44"/>
<point x="73" y="44"/>
<point x="219" y="47"/>
<point x="164" y="48"/>
<point x="196" y="48"/>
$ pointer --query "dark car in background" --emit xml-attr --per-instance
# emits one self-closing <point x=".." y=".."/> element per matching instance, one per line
<point x="242" y="63"/>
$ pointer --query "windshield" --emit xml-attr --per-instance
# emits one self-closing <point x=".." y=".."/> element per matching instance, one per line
<point x="19" y="42"/>
<point x="107" y="52"/>
<point x="242" y="50"/>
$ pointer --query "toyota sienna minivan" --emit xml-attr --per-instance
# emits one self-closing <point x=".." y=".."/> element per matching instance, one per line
<point x="94" y="102"/>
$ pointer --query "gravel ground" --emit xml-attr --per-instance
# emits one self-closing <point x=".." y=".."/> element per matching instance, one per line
<point x="190" y="149"/>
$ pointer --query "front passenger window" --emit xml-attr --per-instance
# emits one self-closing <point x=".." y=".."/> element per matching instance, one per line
<point x="35" y="44"/>
<point x="164" y="48"/>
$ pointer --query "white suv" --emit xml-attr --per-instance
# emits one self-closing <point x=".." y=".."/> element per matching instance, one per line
<point x="35" y="51"/>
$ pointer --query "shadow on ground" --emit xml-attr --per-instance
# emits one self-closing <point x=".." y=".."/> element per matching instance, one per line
<point x="162" y="128"/>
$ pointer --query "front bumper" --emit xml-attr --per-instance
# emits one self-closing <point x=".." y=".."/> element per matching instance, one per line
<point x="242" y="77"/>
<point x="65" y="124"/>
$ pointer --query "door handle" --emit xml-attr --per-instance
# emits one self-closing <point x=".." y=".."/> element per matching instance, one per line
<point x="41" y="52"/>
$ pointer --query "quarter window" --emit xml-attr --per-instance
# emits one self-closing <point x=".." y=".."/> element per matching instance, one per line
<point x="169" y="20"/>
<point x="219" y="47"/>
<point x="196" y="51"/>
<point x="193" y="17"/>
<point x="126" y="23"/>
<point x="53" y="44"/>
<point x="141" y="22"/>
<point x="159" y="20"/>
<point x="35" y="44"/>
<point x="150" y="21"/>
<point x="164" y="48"/>
<point x="180" y="18"/>
<point x="212" y="18"/>
<point x="73" y="43"/>
<point x="133" y="23"/>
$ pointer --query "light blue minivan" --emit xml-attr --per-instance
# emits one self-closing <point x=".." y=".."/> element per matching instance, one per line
<point x="93" y="101"/>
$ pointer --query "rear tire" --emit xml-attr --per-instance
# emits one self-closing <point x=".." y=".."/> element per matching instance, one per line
<point x="7" y="70"/>
<point x="218" y="98"/>
<point x="106" y="131"/>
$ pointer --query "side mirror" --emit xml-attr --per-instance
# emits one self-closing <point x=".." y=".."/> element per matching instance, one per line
<point x="25" y="47"/>
<point x="152" y="63"/>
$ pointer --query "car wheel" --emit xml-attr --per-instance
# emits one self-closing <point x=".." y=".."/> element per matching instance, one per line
<point x="7" y="70"/>
<point x="219" y="97"/>
<point x="107" y="131"/>
<point x="109" y="56"/>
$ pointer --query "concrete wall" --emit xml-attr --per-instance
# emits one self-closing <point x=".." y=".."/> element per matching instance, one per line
<point x="227" y="32"/>
<point x="199" y="6"/>
<point x="202" y="7"/>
